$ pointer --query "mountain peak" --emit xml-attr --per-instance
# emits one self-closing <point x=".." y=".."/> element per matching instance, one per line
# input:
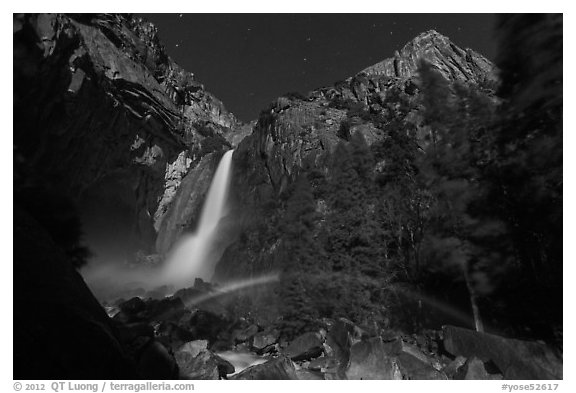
<point x="430" y="35"/>
<point x="452" y="61"/>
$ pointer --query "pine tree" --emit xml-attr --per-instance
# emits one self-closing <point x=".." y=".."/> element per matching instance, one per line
<point x="352" y="236"/>
<point x="298" y="258"/>
<point x="449" y="170"/>
<point x="525" y="168"/>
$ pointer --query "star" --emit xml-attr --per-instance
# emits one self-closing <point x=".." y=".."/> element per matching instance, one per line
<point x="308" y="39"/>
<point x="180" y="16"/>
<point x="177" y="45"/>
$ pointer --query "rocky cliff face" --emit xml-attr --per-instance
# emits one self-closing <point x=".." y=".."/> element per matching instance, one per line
<point x="301" y="132"/>
<point x="452" y="61"/>
<point x="295" y="129"/>
<point x="104" y="116"/>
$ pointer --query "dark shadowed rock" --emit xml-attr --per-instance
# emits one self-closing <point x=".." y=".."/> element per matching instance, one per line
<point x="60" y="329"/>
<point x="165" y="309"/>
<point x="516" y="359"/>
<point x="370" y="360"/>
<point x="275" y="369"/>
<point x="156" y="362"/>
<point x="208" y="326"/>
<point x="129" y="332"/>
<point x="307" y="346"/>
<point x="132" y="306"/>
<point x="172" y="335"/>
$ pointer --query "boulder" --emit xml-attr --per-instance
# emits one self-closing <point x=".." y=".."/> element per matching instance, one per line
<point x="369" y="359"/>
<point x="242" y="359"/>
<point x="165" y="309"/>
<point x="304" y="347"/>
<point x="172" y="335"/>
<point x="207" y="325"/>
<point x="132" y="306"/>
<point x="339" y="338"/>
<point x="324" y="364"/>
<point x="516" y="359"/>
<point x="452" y="368"/>
<point x="308" y="375"/>
<point x="474" y="369"/>
<point x="156" y="362"/>
<point x="193" y="348"/>
<point x="197" y="362"/>
<point x="264" y="340"/>
<point x="243" y="335"/>
<point x="275" y="369"/>
<point x="413" y="367"/>
<point x="413" y="363"/>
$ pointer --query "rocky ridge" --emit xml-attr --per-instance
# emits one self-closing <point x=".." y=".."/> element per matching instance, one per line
<point x="452" y="61"/>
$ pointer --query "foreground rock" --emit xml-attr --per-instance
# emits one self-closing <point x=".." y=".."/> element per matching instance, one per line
<point x="516" y="359"/>
<point x="279" y="368"/>
<point x="304" y="347"/>
<point x="60" y="329"/>
<point x="475" y="369"/>
<point x="264" y="341"/>
<point x="370" y="360"/>
<point x="197" y="362"/>
<point x="413" y="363"/>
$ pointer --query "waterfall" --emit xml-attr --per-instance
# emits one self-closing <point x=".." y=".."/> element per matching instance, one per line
<point x="191" y="257"/>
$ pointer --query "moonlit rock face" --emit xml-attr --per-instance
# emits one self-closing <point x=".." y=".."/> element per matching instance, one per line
<point x="191" y="256"/>
<point x="241" y="360"/>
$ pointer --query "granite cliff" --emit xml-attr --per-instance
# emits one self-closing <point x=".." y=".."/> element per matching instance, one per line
<point x="105" y="117"/>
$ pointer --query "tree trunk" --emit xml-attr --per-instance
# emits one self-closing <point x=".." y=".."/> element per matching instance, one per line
<point x="475" y="310"/>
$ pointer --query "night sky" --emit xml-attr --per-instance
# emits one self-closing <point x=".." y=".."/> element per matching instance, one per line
<point x="247" y="60"/>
